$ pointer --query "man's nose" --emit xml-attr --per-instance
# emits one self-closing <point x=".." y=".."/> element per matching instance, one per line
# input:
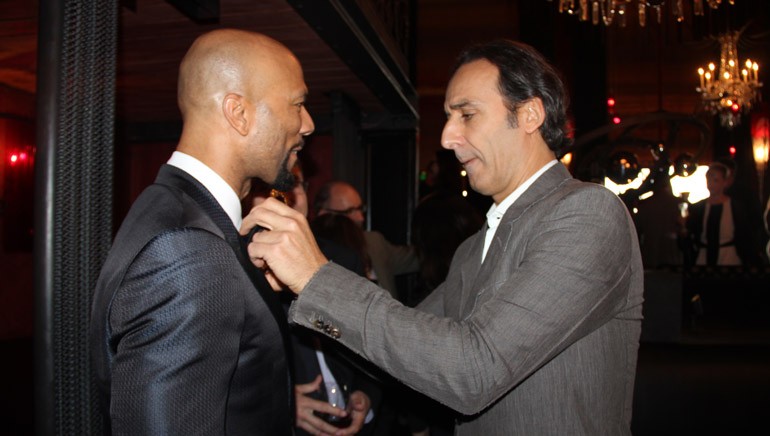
<point x="357" y="216"/>
<point x="450" y="135"/>
<point x="307" y="123"/>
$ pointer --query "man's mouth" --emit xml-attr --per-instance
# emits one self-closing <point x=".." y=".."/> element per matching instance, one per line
<point x="465" y="161"/>
<point x="297" y="148"/>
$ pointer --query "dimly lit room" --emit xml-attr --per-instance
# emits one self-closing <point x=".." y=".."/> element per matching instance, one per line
<point x="664" y="119"/>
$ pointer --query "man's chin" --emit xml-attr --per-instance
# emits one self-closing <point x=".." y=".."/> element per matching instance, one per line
<point x="284" y="182"/>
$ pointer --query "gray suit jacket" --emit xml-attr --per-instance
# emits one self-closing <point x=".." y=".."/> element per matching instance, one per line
<point x="186" y="336"/>
<point x="540" y="339"/>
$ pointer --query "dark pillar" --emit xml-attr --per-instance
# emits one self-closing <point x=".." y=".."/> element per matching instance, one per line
<point x="348" y="153"/>
<point x="393" y="182"/>
<point x="73" y="203"/>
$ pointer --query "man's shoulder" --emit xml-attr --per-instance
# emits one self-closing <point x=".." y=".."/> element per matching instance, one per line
<point x="158" y="213"/>
<point x="376" y="241"/>
<point x="583" y="195"/>
<point x="374" y="238"/>
<point x="575" y="201"/>
<point x="160" y="208"/>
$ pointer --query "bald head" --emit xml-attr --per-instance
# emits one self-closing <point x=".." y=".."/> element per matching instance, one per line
<point x="340" y="198"/>
<point x="228" y="61"/>
<point x="242" y="97"/>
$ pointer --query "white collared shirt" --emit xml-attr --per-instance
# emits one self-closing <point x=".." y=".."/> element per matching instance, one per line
<point x="216" y="185"/>
<point x="496" y="211"/>
<point x="333" y="392"/>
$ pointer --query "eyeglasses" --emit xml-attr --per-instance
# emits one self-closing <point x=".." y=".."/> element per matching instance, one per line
<point x="348" y="211"/>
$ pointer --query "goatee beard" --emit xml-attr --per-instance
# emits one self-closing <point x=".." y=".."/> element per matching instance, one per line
<point x="285" y="180"/>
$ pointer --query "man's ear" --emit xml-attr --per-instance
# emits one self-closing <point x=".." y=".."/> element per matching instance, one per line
<point x="533" y="114"/>
<point x="234" y="109"/>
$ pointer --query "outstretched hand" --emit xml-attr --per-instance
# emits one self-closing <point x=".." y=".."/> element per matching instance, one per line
<point x="286" y="250"/>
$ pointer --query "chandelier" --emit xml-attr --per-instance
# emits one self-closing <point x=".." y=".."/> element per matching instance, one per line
<point x="732" y="90"/>
<point x="610" y="11"/>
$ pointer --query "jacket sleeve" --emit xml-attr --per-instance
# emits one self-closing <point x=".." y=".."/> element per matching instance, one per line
<point x="176" y="323"/>
<point x="573" y="278"/>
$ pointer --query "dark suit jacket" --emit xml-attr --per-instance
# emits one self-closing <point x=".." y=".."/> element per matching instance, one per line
<point x="186" y="336"/>
<point x="744" y="235"/>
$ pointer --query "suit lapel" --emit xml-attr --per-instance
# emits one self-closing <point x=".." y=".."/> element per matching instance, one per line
<point x="482" y="275"/>
<point x="176" y="178"/>
<point x="172" y="176"/>
<point x="469" y="271"/>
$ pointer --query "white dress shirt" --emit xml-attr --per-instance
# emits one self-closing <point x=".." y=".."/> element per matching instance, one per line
<point x="333" y="393"/>
<point x="216" y="185"/>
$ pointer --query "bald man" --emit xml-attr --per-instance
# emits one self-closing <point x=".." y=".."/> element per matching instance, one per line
<point x="186" y="336"/>
<point x="388" y="260"/>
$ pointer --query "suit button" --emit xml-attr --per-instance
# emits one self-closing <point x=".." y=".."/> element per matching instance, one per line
<point x="319" y="324"/>
<point x="335" y="333"/>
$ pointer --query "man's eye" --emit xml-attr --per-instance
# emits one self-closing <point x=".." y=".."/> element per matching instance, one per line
<point x="467" y="116"/>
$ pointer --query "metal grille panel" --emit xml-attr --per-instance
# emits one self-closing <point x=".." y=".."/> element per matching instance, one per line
<point x="81" y="155"/>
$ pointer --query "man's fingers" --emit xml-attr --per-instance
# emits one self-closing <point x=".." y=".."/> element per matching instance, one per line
<point x="359" y="407"/>
<point x="275" y="284"/>
<point x="359" y="401"/>
<point x="286" y="247"/>
<point x="307" y="408"/>
<point x="267" y="213"/>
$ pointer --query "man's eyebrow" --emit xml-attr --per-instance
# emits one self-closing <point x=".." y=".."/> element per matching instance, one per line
<point x="460" y="105"/>
<point x="301" y="96"/>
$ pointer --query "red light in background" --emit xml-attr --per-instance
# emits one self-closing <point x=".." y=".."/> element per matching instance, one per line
<point x="732" y="150"/>
<point x="22" y="156"/>
<point x="610" y="102"/>
<point x="735" y="107"/>
<point x="616" y="120"/>
<point x="14" y="158"/>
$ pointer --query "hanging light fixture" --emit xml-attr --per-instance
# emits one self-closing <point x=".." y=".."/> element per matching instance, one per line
<point x="730" y="91"/>
<point x="611" y="11"/>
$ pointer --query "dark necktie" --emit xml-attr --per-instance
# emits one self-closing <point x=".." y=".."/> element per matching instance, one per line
<point x="712" y="234"/>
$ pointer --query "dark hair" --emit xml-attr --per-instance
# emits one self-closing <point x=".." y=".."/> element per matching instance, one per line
<point x="729" y="164"/>
<point x="524" y="74"/>
<point x="441" y="222"/>
<point x="720" y="168"/>
<point x="323" y="195"/>
<point x="342" y="231"/>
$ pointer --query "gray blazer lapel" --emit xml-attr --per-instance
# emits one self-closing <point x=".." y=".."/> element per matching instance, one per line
<point x="544" y="186"/>
<point x="488" y="274"/>
<point x="469" y="269"/>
